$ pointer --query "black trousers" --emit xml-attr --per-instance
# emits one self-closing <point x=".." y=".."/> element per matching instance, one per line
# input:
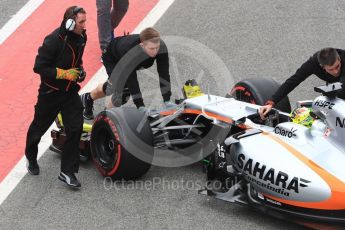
<point x="131" y="83"/>
<point x="46" y="109"/>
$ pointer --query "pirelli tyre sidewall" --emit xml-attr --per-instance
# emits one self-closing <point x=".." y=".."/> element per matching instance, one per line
<point x="122" y="143"/>
<point x="258" y="91"/>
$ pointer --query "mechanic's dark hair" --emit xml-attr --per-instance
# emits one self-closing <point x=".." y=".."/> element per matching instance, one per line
<point x="149" y="34"/>
<point x="72" y="11"/>
<point x="327" y="56"/>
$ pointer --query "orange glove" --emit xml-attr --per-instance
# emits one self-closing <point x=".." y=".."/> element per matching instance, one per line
<point x="69" y="74"/>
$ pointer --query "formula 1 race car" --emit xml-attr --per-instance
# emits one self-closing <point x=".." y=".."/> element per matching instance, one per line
<point x="276" y="165"/>
<point x="292" y="170"/>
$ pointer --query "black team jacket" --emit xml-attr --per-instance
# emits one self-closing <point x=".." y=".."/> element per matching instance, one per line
<point x="310" y="67"/>
<point x="60" y="49"/>
<point x="127" y="56"/>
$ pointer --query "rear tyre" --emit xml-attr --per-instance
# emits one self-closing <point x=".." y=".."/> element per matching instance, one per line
<point x="259" y="91"/>
<point x="122" y="143"/>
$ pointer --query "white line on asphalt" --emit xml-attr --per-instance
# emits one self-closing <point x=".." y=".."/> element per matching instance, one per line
<point x="18" y="19"/>
<point x="154" y="15"/>
<point x="19" y="171"/>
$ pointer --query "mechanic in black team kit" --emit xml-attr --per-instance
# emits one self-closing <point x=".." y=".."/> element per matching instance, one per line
<point x="126" y="55"/>
<point x="59" y="64"/>
<point x="327" y="64"/>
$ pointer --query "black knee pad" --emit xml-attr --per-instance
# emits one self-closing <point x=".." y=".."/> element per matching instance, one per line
<point x="107" y="88"/>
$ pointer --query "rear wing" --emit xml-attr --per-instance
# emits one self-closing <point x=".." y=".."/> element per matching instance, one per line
<point x="329" y="90"/>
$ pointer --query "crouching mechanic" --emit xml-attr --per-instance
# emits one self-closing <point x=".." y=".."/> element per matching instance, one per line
<point x="328" y="64"/>
<point x="59" y="64"/>
<point x="125" y="55"/>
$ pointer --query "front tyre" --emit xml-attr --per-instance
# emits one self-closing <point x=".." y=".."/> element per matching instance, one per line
<point x="259" y="91"/>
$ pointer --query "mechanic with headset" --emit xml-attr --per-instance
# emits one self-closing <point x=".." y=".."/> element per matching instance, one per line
<point x="328" y="64"/>
<point x="125" y="55"/>
<point x="60" y="66"/>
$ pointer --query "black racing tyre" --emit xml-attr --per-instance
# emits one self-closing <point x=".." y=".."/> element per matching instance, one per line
<point x="122" y="143"/>
<point x="258" y="91"/>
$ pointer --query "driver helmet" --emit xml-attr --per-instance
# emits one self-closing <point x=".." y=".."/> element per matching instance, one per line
<point x="302" y="116"/>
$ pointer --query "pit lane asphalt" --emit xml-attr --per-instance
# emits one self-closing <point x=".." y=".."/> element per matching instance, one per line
<point x="8" y="8"/>
<point x="254" y="39"/>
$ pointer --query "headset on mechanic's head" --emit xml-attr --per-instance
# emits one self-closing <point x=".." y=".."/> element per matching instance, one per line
<point x="70" y="22"/>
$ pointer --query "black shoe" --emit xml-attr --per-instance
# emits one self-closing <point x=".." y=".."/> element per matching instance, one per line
<point x="83" y="157"/>
<point x="33" y="167"/>
<point x="88" y="106"/>
<point x="55" y="148"/>
<point x="69" y="179"/>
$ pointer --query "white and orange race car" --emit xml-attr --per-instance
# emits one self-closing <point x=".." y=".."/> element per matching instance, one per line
<point x="276" y="165"/>
<point x="281" y="167"/>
